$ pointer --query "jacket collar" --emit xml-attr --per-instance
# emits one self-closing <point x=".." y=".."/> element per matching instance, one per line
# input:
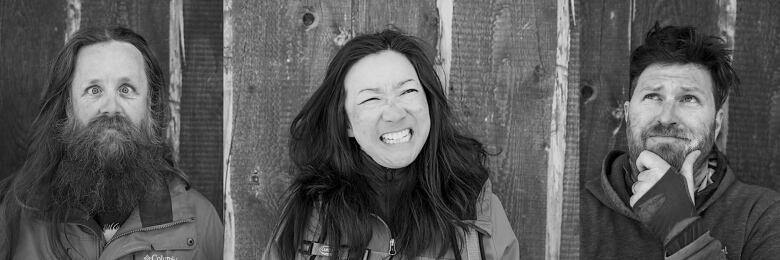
<point x="484" y="210"/>
<point x="162" y="206"/>
<point x="601" y="186"/>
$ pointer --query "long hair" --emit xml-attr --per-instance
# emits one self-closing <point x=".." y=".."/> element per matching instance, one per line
<point x="25" y="193"/>
<point x="449" y="171"/>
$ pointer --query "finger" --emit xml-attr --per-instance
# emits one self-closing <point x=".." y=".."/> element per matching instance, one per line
<point x="652" y="175"/>
<point x="649" y="160"/>
<point x="687" y="170"/>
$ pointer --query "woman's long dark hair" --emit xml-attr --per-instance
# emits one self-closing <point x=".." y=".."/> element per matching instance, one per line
<point x="25" y="193"/>
<point x="449" y="172"/>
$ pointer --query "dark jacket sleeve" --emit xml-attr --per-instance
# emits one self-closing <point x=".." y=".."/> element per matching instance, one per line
<point x="763" y="241"/>
<point x="704" y="247"/>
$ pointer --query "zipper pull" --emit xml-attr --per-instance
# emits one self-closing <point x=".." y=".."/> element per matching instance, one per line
<point x="392" y="246"/>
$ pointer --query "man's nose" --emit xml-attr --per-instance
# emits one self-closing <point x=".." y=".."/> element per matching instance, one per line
<point x="110" y="106"/>
<point x="392" y="112"/>
<point x="668" y="114"/>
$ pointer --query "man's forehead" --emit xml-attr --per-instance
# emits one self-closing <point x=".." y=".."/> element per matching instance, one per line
<point x="684" y="77"/>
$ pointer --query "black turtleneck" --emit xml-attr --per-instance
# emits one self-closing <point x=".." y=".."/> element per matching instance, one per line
<point x="390" y="186"/>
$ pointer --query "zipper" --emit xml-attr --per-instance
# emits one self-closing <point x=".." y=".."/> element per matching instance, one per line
<point x="152" y="228"/>
<point x="392" y="251"/>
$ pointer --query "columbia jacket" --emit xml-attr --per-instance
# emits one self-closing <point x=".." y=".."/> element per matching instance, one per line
<point x="492" y="238"/>
<point x="174" y="224"/>
<point x="740" y="221"/>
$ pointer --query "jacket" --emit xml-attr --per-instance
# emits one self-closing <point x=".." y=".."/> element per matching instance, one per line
<point x="492" y="238"/>
<point x="175" y="223"/>
<point x="741" y="221"/>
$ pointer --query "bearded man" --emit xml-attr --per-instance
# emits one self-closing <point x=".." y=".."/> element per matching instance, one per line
<point x="98" y="181"/>
<point x="673" y="195"/>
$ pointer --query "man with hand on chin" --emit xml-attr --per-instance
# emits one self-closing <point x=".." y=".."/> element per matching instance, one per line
<point x="673" y="195"/>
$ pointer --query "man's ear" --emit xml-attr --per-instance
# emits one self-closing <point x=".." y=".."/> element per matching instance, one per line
<point x="719" y="120"/>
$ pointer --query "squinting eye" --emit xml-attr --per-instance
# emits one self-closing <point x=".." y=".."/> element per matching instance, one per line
<point x="370" y="99"/>
<point x="652" y="96"/>
<point x="94" y="90"/>
<point x="411" y="90"/>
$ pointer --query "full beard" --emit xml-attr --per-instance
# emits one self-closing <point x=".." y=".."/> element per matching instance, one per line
<point x="672" y="153"/>
<point x="108" y="166"/>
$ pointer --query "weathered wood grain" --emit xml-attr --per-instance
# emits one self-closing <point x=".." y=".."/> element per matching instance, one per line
<point x="604" y="52"/>
<point x="280" y="50"/>
<point x="754" y="127"/>
<point x="503" y="67"/>
<point x="201" y="98"/>
<point x="558" y="125"/>
<point x="570" y="229"/>
<point x="31" y="33"/>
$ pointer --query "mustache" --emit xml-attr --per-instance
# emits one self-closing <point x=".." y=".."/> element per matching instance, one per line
<point x="667" y="130"/>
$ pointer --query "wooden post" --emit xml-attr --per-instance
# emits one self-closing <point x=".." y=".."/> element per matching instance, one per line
<point x="73" y="19"/>
<point x="175" y="58"/>
<point x="227" y="130"/>
<point x="727" y="20"/>
<point x="557" y="152"/>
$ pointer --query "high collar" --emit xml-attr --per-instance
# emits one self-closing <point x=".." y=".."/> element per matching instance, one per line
<point x="156" y="208"/>
<point x="380" y="174"/>
<point x="609" y="186"/>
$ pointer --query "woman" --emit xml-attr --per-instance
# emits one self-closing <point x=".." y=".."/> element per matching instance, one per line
<point x="381" y="171"/>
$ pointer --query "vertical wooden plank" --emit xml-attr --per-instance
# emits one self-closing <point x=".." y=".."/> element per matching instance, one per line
<point x="227" y="129"/>
<point x="276" y="62"/>
<point x="503" y="69"/>
<point x="201" y="98"/>
<point x="754" y="132"/>
<point x="605" y="48"/>
<point x="73" y="19"/>
<point x="31" y="33"/>
<point x="570" y="229"/>
<point x="727" y="20"/>
<point x="558" y="125"/>
<point x="444" y="46"/>
<point x="175" y="59"/>
<point x="277" y="57"/>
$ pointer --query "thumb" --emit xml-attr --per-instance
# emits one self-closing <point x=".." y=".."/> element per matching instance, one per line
<point x="687" y="170"/>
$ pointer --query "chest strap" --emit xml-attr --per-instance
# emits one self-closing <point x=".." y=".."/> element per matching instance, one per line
<point x="474" y="249"/>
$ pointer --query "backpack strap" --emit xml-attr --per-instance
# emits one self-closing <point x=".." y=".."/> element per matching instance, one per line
<point x="473" y="245"/>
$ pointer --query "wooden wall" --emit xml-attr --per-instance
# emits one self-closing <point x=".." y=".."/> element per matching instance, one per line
<point x="31" y="33"/>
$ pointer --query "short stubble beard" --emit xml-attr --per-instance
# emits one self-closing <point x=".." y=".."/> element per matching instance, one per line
<point x="674" y="154"/>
